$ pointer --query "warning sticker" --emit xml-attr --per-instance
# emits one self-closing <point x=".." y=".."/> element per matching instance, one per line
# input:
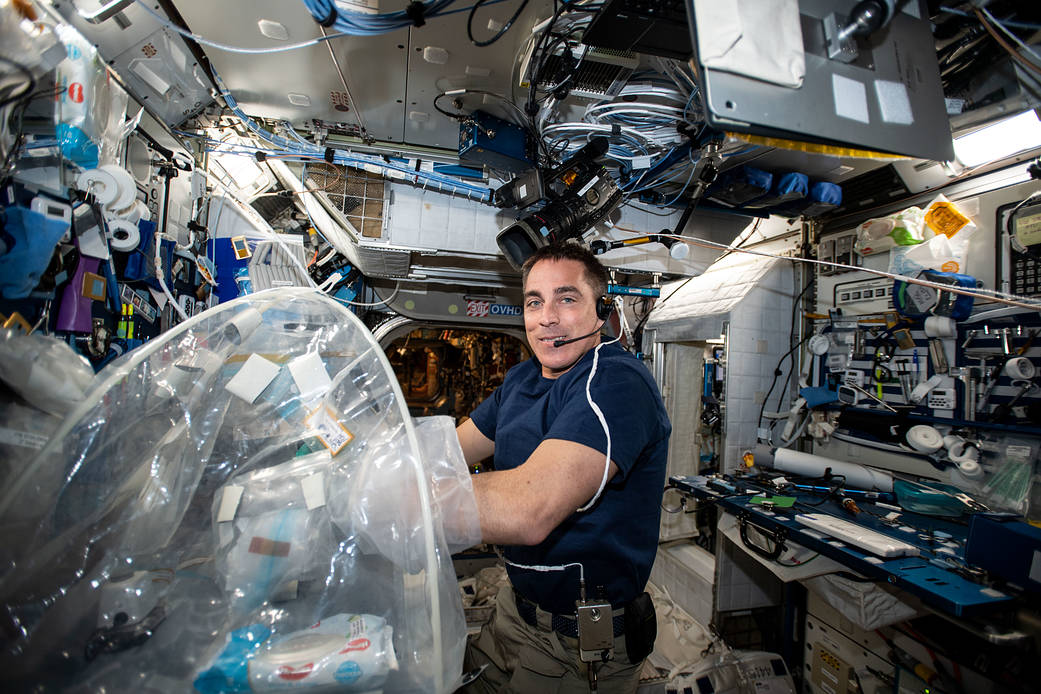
<point x="333" y="435"/>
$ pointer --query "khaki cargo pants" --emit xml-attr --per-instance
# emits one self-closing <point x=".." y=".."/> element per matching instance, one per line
<point x="523" y="659"/>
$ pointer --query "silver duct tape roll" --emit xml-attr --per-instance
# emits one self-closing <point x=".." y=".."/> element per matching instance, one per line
<point x="809" y="465"/>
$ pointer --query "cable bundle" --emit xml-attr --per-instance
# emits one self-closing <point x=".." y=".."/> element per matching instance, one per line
<point x="335" y="15"/>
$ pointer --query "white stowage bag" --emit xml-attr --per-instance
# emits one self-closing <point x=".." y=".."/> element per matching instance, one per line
<point x="242" y="504"/>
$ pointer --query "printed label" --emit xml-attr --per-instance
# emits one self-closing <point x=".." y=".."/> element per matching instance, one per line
<point x="922" y="298"/>
<point x="477" y="309"/>
<point x="347" y="672"/>
<point x="480" y="309"/>
<point x="76" y="93"/>
<point x="25" y="439"/>
<point x="330" y="432"/>
<point x="357" y="645"/>
<point x="592" y="182"/>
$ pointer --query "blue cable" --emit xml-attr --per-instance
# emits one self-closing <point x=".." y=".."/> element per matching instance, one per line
<point x="361" y="24"/>
<point x="682" y="190"/>
<point x="482" y="193"/>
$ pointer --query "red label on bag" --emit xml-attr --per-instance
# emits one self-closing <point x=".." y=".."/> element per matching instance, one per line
<point x="287" y="672"/>
<point x="357" y="645"/>
<point x="76" y="93"/>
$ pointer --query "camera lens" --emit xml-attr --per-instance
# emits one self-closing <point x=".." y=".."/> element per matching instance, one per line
<point x="519" y="240"/>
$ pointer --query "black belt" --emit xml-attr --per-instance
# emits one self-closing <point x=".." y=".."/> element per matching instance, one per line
<point x="563" y="624"/>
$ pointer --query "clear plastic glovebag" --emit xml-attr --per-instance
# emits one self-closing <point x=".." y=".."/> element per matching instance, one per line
<point x="242" y="504"/>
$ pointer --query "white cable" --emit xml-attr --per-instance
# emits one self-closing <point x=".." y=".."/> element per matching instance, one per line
<point x="626" y="330"/>
<point x="546" y="569"/>
<point x="224" y="47"/>
<point x="1010" y="299"/>
<point x="162" y="279"/>
<point x="603" y="422"/>
<point x="326" y="286"/>
<point x="798" y="432"/>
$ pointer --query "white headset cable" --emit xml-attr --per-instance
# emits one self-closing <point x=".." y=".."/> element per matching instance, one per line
<point x="547" y="569"/>
<point x="603" y="422"/>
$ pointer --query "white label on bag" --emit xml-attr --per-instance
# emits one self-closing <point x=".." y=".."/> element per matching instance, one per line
<point x="314" y="490"/>
<point x="25" y="439"/>
<point x="254" y="376"/>
<point x="312" y="380"/>
<point x="229" y="503"/>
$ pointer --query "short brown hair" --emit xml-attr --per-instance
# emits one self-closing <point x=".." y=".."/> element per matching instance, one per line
<point x="596" y="274"/>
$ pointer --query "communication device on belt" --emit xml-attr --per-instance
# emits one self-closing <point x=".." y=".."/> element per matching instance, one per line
<point x="595" y="630"/>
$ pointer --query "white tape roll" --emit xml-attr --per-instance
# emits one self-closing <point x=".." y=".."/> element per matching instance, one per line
<point x="122" y="235"/>
<point x="924" y="438"/>
<point x="242" y="325"/>
<point x="970" y="468"/>
<point x="963" y="452"/>
<point x="940" y="326"/>
<point x="819" y="344"/>
<point x="125" y="185"/>
<point x="101" y="184"/>
<point x="1020" y="369"/>
<point x="133" y="213"/>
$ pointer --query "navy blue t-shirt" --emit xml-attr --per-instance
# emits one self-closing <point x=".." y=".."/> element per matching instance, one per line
<point x="616" y="540"/>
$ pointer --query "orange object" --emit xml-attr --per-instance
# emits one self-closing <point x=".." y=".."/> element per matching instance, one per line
<point x="944" y="218"/>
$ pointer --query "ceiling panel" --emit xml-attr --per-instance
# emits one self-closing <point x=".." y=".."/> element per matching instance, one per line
<point x="464" y="65"/>
<point x="374" y="67"/>
<point x="391" y="78"/>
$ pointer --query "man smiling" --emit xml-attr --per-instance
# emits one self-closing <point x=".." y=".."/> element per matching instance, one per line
<point x="579" y="437"/>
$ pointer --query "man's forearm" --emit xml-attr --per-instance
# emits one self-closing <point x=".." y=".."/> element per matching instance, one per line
<point x="505" y="517"/>
<point x="522" y="505"/>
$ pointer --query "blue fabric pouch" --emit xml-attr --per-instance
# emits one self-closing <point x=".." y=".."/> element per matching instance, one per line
<point x="31" y="238"/>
